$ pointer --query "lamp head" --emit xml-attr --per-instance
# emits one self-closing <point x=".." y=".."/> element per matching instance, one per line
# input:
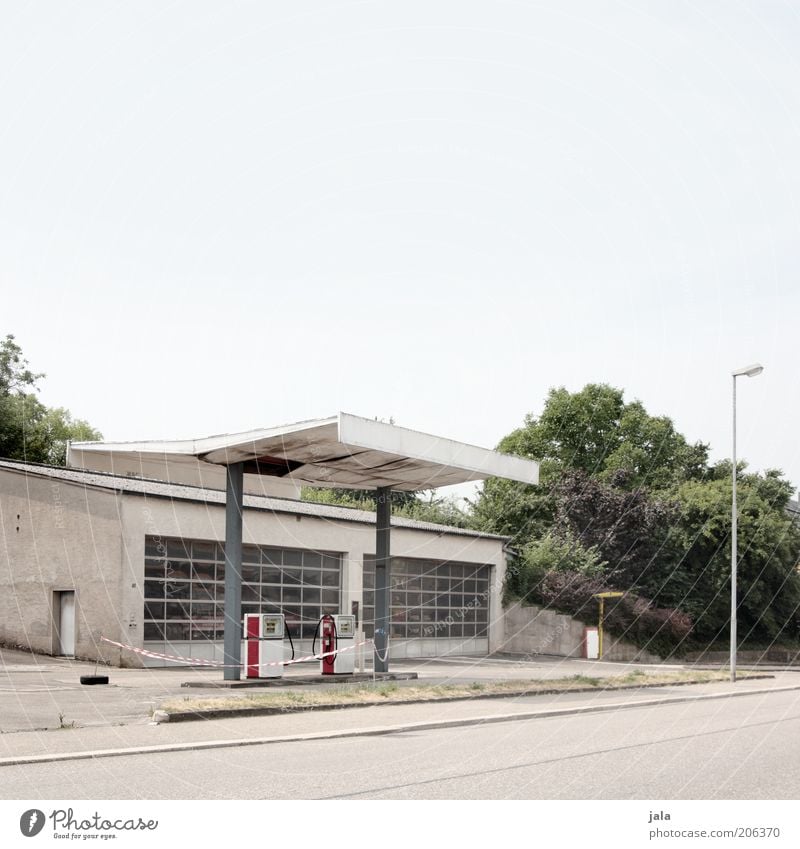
<point x="749" y="371"/>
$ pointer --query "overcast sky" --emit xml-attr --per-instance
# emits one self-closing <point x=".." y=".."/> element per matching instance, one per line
<point x="219" y="216"/>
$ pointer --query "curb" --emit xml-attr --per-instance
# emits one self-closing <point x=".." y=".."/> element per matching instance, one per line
<point x="300" y="680"/>
<point x="380" y="730"/>
<point x="160" y="715"/>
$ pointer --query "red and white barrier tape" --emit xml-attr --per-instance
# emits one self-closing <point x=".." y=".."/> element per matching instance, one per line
<point x="218" y="664"/>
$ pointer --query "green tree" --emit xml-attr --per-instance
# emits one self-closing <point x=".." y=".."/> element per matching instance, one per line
<point x="430" y="507"/>
<point x="423" y="507"/>
<point x="625" y="502"/>
<point x="15" y="376"/>
<point x="551" y="553"/>
<point x="593" y="431"/>
<point x="363" y="499"/>
<point x="29" y="430"/>
<point x="768" y="552"/>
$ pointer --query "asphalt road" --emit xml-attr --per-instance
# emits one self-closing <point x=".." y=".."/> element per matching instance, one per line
<point x="742" y="748"/>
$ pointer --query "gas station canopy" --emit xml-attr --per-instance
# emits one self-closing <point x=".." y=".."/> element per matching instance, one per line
<point x="343" y="451"/>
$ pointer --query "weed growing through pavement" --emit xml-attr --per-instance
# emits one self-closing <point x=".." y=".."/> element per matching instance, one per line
<point x="62" y="724"/>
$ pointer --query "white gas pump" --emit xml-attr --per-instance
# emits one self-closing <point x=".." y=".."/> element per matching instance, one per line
<point x="264" y="634"/>
<point x="337" y="633"/>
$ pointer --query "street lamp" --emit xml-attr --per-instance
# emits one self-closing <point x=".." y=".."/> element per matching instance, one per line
<point x="749" y="371"/>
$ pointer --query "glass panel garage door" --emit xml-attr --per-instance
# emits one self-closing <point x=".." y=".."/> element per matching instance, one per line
<point x="184" y="588"/>
<point x="431" y="599"/>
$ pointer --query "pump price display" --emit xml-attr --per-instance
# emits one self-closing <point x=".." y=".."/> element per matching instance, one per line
<point x="345" y="626"/>
<point x="271" y="626"/>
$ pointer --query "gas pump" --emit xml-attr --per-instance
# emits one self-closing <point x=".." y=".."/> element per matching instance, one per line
<point x="264" y="634"/>
<point x="337" y="632"/>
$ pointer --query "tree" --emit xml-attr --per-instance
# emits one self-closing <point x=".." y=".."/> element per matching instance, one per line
<point x="15" y="375"/>
<point x="625" y="502"/>
<point x="595" y="432"/>
<point x="363" y="499"/>
<point x="768" y="553"/>
<point x="30" y="431"/>
<point x="523" y="512"/>
<point x="629" y="529"/>
<point x="437" y="509"/>
<point x="551" y="553"/>
<point x="411" y="505"/>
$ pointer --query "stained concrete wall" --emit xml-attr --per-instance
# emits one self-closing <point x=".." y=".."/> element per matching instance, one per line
<point x="775" y="654"/>
<point x="58" y="536"/>
<point x="532" y="630"/>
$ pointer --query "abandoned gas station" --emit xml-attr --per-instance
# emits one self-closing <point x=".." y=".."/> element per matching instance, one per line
<point x="163" y="548"/>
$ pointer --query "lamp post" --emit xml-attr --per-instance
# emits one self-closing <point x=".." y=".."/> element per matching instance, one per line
<point x="749" y="371"/>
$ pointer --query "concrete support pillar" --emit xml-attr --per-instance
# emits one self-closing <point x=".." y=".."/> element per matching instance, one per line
<point x="383" y="578"/>
<point x="233" y="571"/>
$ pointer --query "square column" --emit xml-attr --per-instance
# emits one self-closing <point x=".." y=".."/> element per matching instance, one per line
<point x="234" y="494"/>
<point x="383" y="570"/>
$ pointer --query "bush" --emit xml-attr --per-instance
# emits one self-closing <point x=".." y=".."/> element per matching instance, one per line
<point x="550" y="554"/>
<point x="631" y="617"/>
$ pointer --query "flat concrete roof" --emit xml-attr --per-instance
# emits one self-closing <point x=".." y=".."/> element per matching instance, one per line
<point x="343" y="451"/>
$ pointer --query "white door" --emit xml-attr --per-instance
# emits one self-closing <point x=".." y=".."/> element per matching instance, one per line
<point x="66" y="624"/>
<point x="591" y="643"/>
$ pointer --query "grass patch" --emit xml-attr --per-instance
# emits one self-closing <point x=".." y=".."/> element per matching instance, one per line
<point x="586" y="681"/>
<point x="392" y="693"/>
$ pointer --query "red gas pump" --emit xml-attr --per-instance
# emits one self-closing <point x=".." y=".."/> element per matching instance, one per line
<point x="329" y="644"/>
<point x="335" y="629"/>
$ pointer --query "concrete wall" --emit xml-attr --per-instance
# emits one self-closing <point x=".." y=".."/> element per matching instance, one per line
<point x="775" y="654"/>
<point x="58" y="536"/>
<point x="532" y="630"/>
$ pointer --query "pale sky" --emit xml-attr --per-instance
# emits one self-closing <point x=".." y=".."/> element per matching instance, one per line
<point x="220" y="216"/>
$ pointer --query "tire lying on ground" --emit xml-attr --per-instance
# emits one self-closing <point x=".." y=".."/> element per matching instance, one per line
<point x="94" y="679"/>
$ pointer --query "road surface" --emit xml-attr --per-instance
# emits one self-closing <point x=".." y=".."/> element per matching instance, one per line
<point x="741" y="748"/>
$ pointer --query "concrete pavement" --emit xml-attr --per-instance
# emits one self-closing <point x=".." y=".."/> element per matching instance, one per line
<point x="46" y="713"/>
<point x="39" y="692"/>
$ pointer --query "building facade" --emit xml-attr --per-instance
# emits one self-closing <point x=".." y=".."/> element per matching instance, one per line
<point x="89" y="554"/>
